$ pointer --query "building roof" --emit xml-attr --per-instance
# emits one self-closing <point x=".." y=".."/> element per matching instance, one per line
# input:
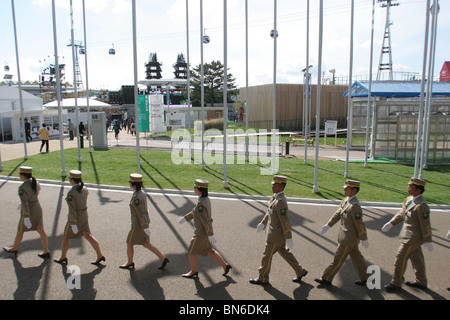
<point x="12" y="93"/>
<point x="81" y="102"/>
<point x="397" y="89"/>
<point x="164" y="82"/>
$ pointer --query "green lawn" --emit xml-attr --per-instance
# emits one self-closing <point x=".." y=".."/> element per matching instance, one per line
<point x="379" y="182"/>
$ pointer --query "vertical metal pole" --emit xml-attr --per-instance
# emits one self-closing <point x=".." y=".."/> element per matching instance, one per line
<point x="188" y="76"/>
<point x="75" y="85"/>
<point x="246" y="81"/>
<point x="87" y="79"/>
<point x="429" y="95"/>
<point x="306" y="92"/>
<point x="58" y="91"/>
<point x="225" y="100"/>
<point x="202" y="89"/>
<point x="370" y="87"/>
<point x="136" y="92"/>
<point x="422" y="89"/>
<point x="274" y="120"/>
<point x="319" y="72"/>
<point x="350" y="105"/>
<point x="22" y="121"/>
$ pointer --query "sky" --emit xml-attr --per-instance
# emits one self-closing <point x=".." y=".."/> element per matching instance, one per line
<point x="161" y="28"/>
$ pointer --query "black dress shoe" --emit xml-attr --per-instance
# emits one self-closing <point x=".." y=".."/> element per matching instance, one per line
<point x="322" y="281"/>
<point x="61" y="261"/>
<point x="299" y="279"/>
<point x="10" y="251"/>
<point x="257" y="281"/>
<point x="97" y="262"/>
<point x="44" y="255"/>
<point x="190" y="276"/>
<point x="391" y="287"/>
<point x="127" y="266"/>
<point x="227" y="269"/>
<point x="163" y="264"/>
<point x="415" y="285"/>
<point x="360" y="282"/>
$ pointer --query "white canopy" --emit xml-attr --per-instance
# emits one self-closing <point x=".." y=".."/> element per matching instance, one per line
<point x="81" y="102"/>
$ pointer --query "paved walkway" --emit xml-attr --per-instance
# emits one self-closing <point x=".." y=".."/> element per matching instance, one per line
<point x="15" y="150"/>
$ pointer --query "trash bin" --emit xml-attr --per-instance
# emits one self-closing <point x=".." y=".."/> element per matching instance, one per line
<point x="287" y="146"/>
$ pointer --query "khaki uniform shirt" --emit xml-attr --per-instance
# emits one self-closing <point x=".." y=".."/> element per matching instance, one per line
<point x="138" y="209"/>
<point x="202" y="217"/>
<point x="277" y="220"/>
<point x="29" y="199"/>
<point x="352" y="226"/>
<point x="416" y="216"/>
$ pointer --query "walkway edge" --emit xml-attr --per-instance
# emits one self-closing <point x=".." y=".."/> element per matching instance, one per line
<point x="232" y="196"/>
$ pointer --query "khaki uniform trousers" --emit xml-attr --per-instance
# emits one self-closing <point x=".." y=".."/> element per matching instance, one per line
<point x="285" y="253"/>
<point x="412" y="251"/>
<point x="342" y="252"/>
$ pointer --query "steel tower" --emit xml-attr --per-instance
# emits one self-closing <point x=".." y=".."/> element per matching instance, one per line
<point x="386" y="50"/>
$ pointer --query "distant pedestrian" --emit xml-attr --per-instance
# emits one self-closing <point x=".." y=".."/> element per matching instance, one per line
<point x="43" y="134"/>
<point x="30" y="212"/>
<point x="71" y="128"/>
<point x="78" y="223"/>
<point x="117" y="129"/>
<point x="28" y="130"/>
<point x="203" y="231"/>
<point x="140" y="221"/>
<point x="133" y="128"/>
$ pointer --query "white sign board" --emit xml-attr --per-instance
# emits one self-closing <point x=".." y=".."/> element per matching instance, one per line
<point x="156" y="113"/>
<point x="330" y="128"/>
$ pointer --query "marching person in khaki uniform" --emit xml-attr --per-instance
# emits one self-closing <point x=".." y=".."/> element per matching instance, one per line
<point x="78" y="222"/>
<point x="278" y="234"/>
<point x="203" y="231"/>
<point x="140" y="231"/>
<point x="416" y="231"/>
<point x="30" y="212"/>
<point x="351" y="232"/>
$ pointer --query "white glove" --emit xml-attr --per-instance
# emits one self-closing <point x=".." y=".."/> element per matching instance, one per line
<point x="147" y="231"/>
<point x="429" y="246"/>
<point x="27" y="223"/>
<point x="181" y="220"/>
<point x="270" y="210"/>
<point x="324" y="229"/>
<point x="260" y="227"/>
<point x="290" y="243"/>
<point x="365" y="243"/>
<point x="387" y="227"/>
<point x="74" y="228"/>
<point x="448" y="235"/>
<point x="212" y="239"/>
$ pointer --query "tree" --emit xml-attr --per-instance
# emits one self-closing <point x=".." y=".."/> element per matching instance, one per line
<point x="213" y="84"/>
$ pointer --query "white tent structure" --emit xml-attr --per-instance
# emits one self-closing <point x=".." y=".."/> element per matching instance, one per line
<point x="69" y="103"/>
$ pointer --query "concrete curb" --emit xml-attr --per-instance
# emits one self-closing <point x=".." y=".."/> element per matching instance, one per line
<point x="232" y="196"/>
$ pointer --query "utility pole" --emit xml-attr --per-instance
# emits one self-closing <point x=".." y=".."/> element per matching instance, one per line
<point x="386" y="49"/>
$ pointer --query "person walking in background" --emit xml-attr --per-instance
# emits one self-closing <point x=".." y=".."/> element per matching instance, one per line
<point x="28" y="130"/>
<point x="140" y="230"/>
<point x="78" y="223"/>
<point x="71" y="128"/>
<point x="30" y="212"/>
<point x="416" y="231"/>
<point x="203" y="231"/>
<point x="279" y="235"/>
<point x="352" y="231"/>
<point x="43" y="134"/>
